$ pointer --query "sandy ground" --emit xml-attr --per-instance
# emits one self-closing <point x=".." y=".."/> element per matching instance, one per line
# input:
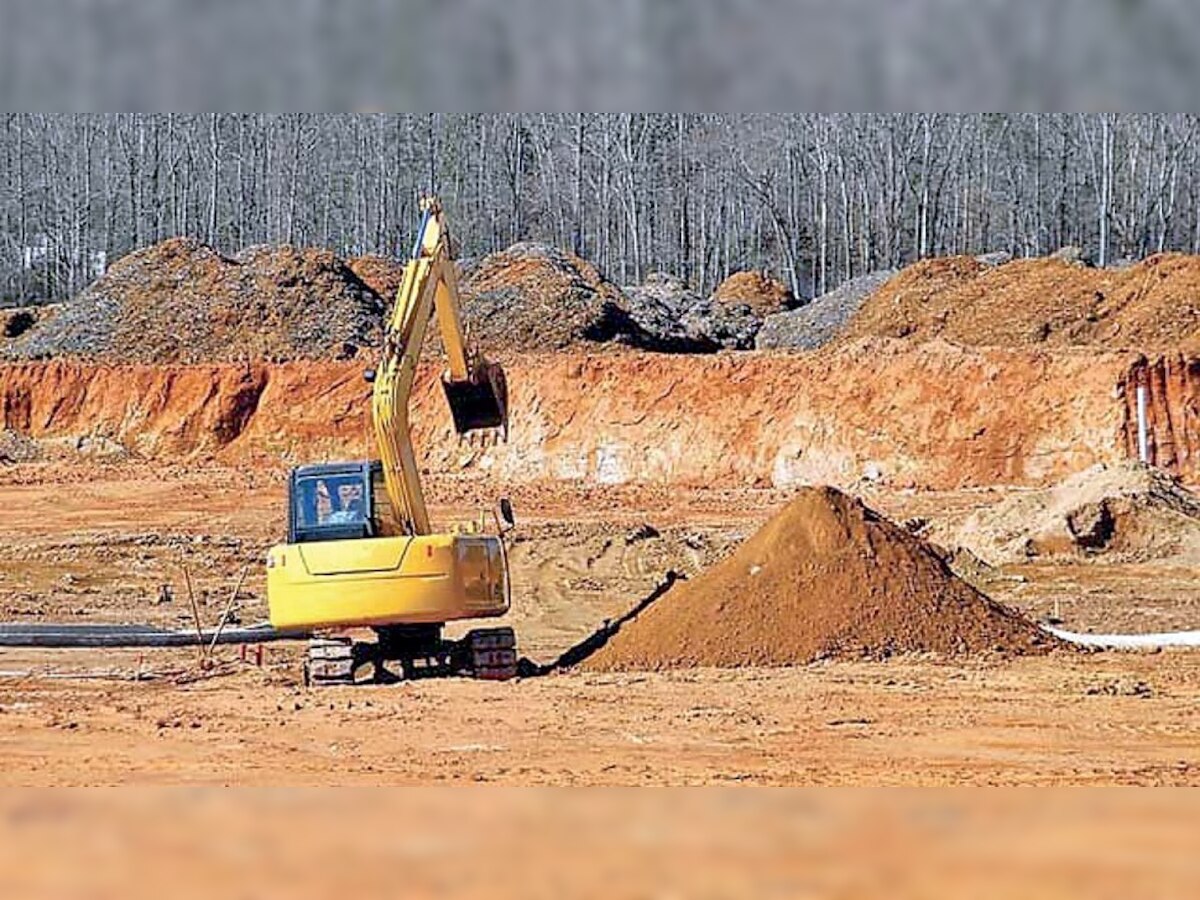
<point x="98" y="545"/>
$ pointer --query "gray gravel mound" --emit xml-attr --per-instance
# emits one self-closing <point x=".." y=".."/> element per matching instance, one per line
<point x="818" y="323"/>
<point x="658" y="307"/>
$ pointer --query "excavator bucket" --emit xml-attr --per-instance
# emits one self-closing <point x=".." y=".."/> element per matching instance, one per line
<point x="481" y="402"/>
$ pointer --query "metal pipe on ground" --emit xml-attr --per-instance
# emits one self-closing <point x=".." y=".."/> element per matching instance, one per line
<point x="116" y="636"/>
<point x="1129" y="641"/>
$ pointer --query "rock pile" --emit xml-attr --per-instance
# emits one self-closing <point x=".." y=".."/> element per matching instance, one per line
<point x="819" y="322"/>
<point x="733" y="315"/>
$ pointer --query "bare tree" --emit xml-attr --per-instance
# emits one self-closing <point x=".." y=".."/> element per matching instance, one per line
<point x="814" y="199"/>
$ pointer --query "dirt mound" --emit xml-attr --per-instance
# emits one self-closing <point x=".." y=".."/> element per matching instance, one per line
<point x="758" y="290"/>
<point x="1125" y="510"/>
<point x="380" y="273"/>
<point x="826" y="577"/>
<point x="536" y="297"/>
<point x="182" y="301"/>
<point x="1152" y="304"/>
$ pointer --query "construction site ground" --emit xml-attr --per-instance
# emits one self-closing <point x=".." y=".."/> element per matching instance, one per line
<point x="95" y="542"/>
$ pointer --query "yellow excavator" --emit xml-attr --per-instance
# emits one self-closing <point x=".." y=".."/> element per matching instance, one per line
<point x="361" y="552"/>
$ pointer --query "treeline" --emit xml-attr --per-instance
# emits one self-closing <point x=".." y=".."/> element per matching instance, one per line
<point x="816" y="199"/>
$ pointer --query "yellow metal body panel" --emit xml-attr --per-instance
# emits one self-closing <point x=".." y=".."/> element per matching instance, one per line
<point x="387" y="581"/>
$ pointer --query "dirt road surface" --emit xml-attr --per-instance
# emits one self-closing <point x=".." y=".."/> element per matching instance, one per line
<point x="99" y="546"/>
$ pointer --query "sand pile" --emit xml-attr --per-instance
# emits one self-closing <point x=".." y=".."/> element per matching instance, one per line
<point x="1151" y="304"/>
<point x="826" y="577"/>
<point x="182" y="301"/>
<point x="764" y="294"/>
<point x="1127" y="511"/>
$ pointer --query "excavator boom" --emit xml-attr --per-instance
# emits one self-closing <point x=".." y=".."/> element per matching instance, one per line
<point x="476" y="389"/>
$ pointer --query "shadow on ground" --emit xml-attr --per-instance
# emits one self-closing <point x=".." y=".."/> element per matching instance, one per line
<point x="572" y="657"/>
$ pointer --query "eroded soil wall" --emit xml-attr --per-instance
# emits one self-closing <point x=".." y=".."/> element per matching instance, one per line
<point x="933" y="416"/>
<point x="1172" y="383"/>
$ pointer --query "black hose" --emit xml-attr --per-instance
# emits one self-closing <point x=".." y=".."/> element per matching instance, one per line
<point x="67" y="635"/>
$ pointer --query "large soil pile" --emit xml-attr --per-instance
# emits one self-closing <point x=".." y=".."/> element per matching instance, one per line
<point x="758" y="290"/>
<point x="1125" y="510"/>
<point x="826" y="577"/>
<point x="536" y="297"/>
<point x="182" y="301"/>
<point x="381" y="274"/>
<point x="1150" y="305"/>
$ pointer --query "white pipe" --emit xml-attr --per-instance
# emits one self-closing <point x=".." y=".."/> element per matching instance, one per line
<point x="1129" y="641"/>
<point x="1143" y="442"/>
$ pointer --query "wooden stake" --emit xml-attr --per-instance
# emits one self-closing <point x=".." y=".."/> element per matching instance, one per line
<point x="228" y="609"/>
<point x="187" y="579"/>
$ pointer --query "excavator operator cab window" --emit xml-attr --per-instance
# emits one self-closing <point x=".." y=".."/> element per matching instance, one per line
<point x="333" y="503"/>
<point x="332" y="500"/>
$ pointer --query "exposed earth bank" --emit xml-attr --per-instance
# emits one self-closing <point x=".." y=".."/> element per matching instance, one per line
<point x="934" y="416"/>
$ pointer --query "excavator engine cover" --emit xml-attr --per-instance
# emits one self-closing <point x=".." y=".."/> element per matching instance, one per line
<point x="481" y="402"/>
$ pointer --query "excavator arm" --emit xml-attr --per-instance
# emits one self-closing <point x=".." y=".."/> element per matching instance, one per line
<point x="475" y="388"/>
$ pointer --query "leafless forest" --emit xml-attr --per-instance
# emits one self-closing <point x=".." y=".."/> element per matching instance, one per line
<point x="816" y="199"/>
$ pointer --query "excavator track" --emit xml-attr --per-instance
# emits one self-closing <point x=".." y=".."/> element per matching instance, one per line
<point x="488" y="654"/>
<point x="330" y="661"/>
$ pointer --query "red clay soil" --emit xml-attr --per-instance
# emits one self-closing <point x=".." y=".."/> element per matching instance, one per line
<point x="1153" y="305"/>
<point x="932" y="415"/>
<point x="758" y="290"/>
<point x="825" y="578"/>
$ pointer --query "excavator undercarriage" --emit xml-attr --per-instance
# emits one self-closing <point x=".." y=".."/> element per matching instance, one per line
<point x="406" y="652"/>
